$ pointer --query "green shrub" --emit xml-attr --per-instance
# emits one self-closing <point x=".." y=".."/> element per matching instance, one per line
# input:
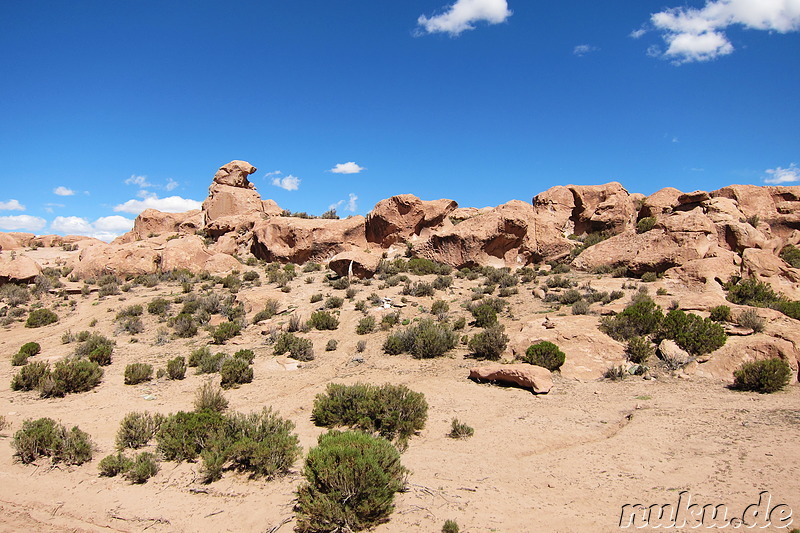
<point x="298" y="348"/>
<point x="136" y="373"/>
<point x="639" y="349"/>
<point x="137" y="428"/>
<point x="450" y="526"/>
<point x="101" y="355"/>
<point x="159" y="306"/>
<point x="421" y="267"/>
<point x="640" y="318"/>
<point x="645" y="224"/>
<point x="751" y="292"/>
<point x="316" y="298"/>
<point x="131" y="310"/>
<point x="392" y="411"/>
<point x="390" y="320"/>
<point x="489" y="343"/>
<point x="70" y="375"/>
<point x="616" y="373"/>
<point x="341" y="283"/>
<point x="19" y="359"/>
<point x="442" y="282"/>
<point x="209" y="398"/>
<point x="29" y="376"/>
<point x="225" y="331"/>
<point x="96" y="347"/>
<point x="439" y="307"/>
<point x="197" y="355"/>
<point x="365" y="325"/>
<point x="323" y="320"/>
<point x="765" y="376"/>
<point x="29" y="349"/>
<point x="788" y="308"/>
<point x="182" y="436"/>
<point x="791" y="255"/>
<point x="251" y="275"/>
<point x="114" y="464"/>
<point x="210" y="363"/>
<point x="423" y="340"/>
<point x="245" y="354"/>
<point x="334" y="302"/>
<point x="185" y="326"/>
<point x="545" y="354"/>
<point x="581" y="307"/>
<point x="41" y="317"/>
<point x="649" y="277"/>
<point x="459" y="430"/>
<point x="235" y="371"/>
<point x="142" y="468"/>
<point x="720" y="313"/>
<point x="176" y="368"/>
<point x="331" y="345"/>
<point x="350" y="483"/>
<point x="485" y="316"/>
<point x="749" y="318"/>
<point x="44" y="437"/>
<point x="691" y="332"/>
<point x="261" y="443"/>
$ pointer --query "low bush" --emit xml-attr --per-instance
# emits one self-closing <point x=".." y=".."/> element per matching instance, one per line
<point x="323" y="320"/>
<point x="29" y="349"/>
<point x="176" y="368"/>
<point x="392" y="411"/>
<point x="460" y="430"/>
<point x="131" y="310"/>
<point x="749" y="318"/>
<point x="485" y="315"/>
<point x="142" y="468"/>
<point x="235" y="371"/>
<point x="351" y="479"/>
<point x="30" y="375"/>
<point x="581" y="307"/>
<point x="616" y="373"/>
<point x="421" y="267"/>
<point x="720" y="313"/>
<point x="316" y="297"/>
<point x="489" y="343"/>
<point x="791" y="254"/>
<point x="19" y="359"/>
<point x="159" y="306"/>
<point x="299" y="348"/>
<point x="450" y="526"/>
<point x="649" y="277"/>
<point x="423" y="340"/>
<point x="114" y="464"/>
<point x="751" y="292"/>
<point x="645" y="224"/>
<point x="225" y="331"/>
<point x="98" y="348"/>
<point x="210" y="363"/>
<point x="639" y="349"/>
<point x="184" y="325"/>
<point x="765" y="376"/>
<point x="137" y="428"/>
<point x="334" y="302"/>
<point x="545" y="354"/>
<point x="210" y="398"/>
<point x="136" y="373"/>
<point x="45" y="437"/>
<point x="691" y="332"/>
<point x="331" y="345"/>
<point x="640" y="318"/>
<point x="70" y="375"/>
<point x="365" y="325"/>
<point x="245" y="354"/>
<point x="41" y="317"/>
<point x="418" y="289"/>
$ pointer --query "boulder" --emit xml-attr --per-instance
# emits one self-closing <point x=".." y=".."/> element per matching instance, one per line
<point x="235" y="174"/>
<point x="776" y="208"/>
<point x="8" y="242"/>
<point x="661" y="202"/>
<point x="583" y="209"/>
<point x="186" y="253"/>
<point x="298" y="240"/>
<point x="152" y="222"/>
<point x="221" y="264"/>
<point x="360" y="264"/>
<point x="401" y="217"/>
<point x="21" y="269"/>
<point x="533" y="377"/>
<point x="768" y="267"/>
<point x="669" y="351"/>
<point x="131" y="259"/>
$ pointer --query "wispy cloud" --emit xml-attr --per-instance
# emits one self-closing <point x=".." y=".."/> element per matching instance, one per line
<point x="63" y="191"/>
<point x="170" y="204"/>
<point x="583" y="49"/>
<point x="696" y="35"/>
<point x="289" y="183"/>
<point x="139" y="181"/>
<point x="22" y="222"/>
<point x="346" y="168"/>
<point x="11" y="205"/>
<point x="104" y="228"/>
<point x="171" y="185"/>
<point x="463" y="14"/>
<point x="783" y="175"/>
<point x="351" y="204"/>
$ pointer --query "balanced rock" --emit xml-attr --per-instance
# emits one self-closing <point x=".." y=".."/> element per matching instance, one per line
<point x="359" y="264"/>
<point x="533" y="377"/>
<point x="235" y="174"/>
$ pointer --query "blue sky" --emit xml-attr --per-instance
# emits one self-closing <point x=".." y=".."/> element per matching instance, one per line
<point x="110" y="107"/>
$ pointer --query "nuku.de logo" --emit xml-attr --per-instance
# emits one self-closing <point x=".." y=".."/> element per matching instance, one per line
<point x="692" y="515"/>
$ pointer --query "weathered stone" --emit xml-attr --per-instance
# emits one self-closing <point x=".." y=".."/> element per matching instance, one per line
<point x="298" y="240"/>
<point x="21" y="269"/>
<point x="533" y="377"/>
<point x="360" y="264"/>
<point x="401" y="217"/>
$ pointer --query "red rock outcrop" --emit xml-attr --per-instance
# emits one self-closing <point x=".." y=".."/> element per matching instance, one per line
<point x="360" y="264"/>
<point x="401" y="217"/>
<point x="533" y="377"/>
<point x="778" y="208"/>
<point x="582" y="209"/>
<point x="21" y="269"/>
<point x="127" y="259"/>
<point x="297" y="240"/>
<point x="153" y="222"/>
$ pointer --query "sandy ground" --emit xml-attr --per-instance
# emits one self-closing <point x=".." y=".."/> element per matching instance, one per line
<point x="565" y="461"/>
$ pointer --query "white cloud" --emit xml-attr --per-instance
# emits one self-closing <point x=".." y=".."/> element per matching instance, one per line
<point x="461" y="15"/>
<point x="63" y="191"/>
<point x="140" y="181"/>
<point x="170" y="204"/>
<point x="583" y="49"/>
<point x="698" y="34"/>
<point x="104" y="228"/>
<point x="346" y="168"/>
<point x="349" y="205"/>
<point x="290" y="183"/>
<point x="273" y="173"/>
<point x="635" y="34"/>
<point x="783" y="175"/>
<point x="22" y="222"/>
<point x="11" y="205"/>
<point x="171" y="185"/>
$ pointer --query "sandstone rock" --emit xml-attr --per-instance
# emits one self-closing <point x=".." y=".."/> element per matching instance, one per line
<point x="661" y="202"/>
<point x="21" y="269"/>
<point x="777" y="208"/>
<point x="771" y="269"/>
<point x="691" y="198"/>
<point x="229" y="208"/>
<point x="298" y="240"/>
<point x="398" y="218"/>
<point x="154" y="222"/>
<point x="221" y="264"/>
<point x="24" y="239"/>
<point x="582" y="209"/>
<point x="362" y="264"/>
<point x="533" y="377"/>
<point x="669" y="351"/>
<point x="188" y="252"/>
<point x="8" y="242"/>
<point x="235" y="174"/>
<point x="227" y="244"/>
<point x="127" y="259"/>
<point x="713" y="271"/>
